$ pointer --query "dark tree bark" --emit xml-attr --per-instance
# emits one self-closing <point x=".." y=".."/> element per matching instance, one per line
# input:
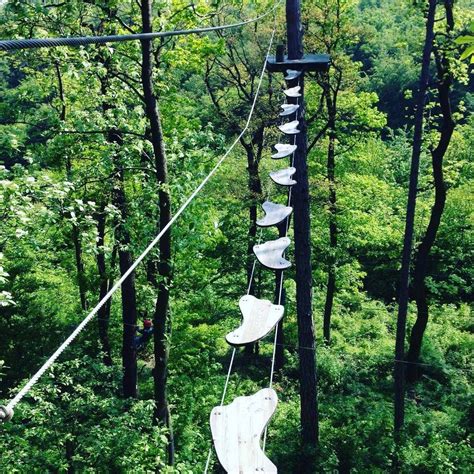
<point x="162" y="317"/>
<point x="399" y="370"/>
<point x="279" y="275"/>
<point x="105" y="283"/>
<point x="445" y="79"/>
<point x="301" y="202"/>
<point x="331" y="177"/>
<point x="255" y="195"/>
<point x="75" y="232"/>
<point x="122" y="237"/>
<point x="81" y="277"/>
<point x="128" y="293"/>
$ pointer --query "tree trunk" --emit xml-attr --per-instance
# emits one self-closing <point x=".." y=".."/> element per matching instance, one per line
<point x="303" y="278"/>
<point x="399" y="369"/>
<point x="255" y="193"/>
<point x="331" y="176"/>
<point x="103" y="315"/>
<point x="81" y="277"/>
<point x="421" y="264"/>
<point x="122" y="237"/>
<point x="128" y="293"/>
<point x="161" y="317"/>
<point x="280" y="299"/>
<point x="75" y="232"/>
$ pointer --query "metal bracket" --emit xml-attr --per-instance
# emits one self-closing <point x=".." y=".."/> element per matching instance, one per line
<point x="6" y="414"/>
<point x="309" y="62"/>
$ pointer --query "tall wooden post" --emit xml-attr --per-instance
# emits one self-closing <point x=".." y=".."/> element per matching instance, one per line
<point x="300" y="202"/>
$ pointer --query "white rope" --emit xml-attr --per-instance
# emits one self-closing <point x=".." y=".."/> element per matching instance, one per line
<point x="11" y="405"/>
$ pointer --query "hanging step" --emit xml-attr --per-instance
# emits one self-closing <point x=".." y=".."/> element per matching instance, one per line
<point x="290" y="128"/>
<point x="259" y="318"/>
<point x="288" y="109"/>
<point x="283" y="150"/>
<point x="292" y="74"/>
<point x="270" y="254"/>
<point x="283" y="177"/>
<point x="237" y="429"/>
<point x="293" y="91"/>
<point x="274" y="214"/>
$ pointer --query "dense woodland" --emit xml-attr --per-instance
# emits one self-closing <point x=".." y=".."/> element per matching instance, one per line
<point x="100" y="144"/>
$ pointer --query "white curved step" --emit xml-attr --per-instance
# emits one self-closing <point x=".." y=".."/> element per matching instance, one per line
<point x="293" y="91"/>
<point x="259" y="318"/>
<point x="237" y="429"/>
<point x="283" y="177"/>
<point x="270" y="254"/>
<point x="290" y="128"/>
<point x="283" y="150"/>
<point x="288" y="109"/>
<point x="292" y="74"/>
<point x="274" y="214"/>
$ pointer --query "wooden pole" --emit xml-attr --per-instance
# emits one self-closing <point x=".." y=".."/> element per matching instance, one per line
<point x="300" y="202"/>
<point x="399" y="370"/>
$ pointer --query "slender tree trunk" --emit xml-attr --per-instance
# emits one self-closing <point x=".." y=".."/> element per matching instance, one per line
<point x="307" y="358"/>
<point x="399" y="369"/>
<point x="280" y="299"/>
<point x="128" y="293"/>
<point x="70" y="451"/>
<point x="255" y="193"/>
<point x="81" y="277"/>
<point x="161" y="317"/>
<point x="421" y="264"/>
<point x="75" y="232"/>
<point x="103" y="316"/>
<point x="122" y="237"/>
<point x="331" y="176"/>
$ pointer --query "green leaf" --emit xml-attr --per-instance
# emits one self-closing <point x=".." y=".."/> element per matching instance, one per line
<point x="468" y="52"/>
<point x="464" y="39"/>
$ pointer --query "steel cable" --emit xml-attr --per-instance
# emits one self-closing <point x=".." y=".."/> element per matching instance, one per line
<point x="16" y="44"/>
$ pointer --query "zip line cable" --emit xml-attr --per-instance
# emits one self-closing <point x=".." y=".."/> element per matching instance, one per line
<point x="6" y="412"/>
<point x="16" y="44"/>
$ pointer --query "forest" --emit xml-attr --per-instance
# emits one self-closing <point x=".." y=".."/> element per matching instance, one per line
<point x="101" y="146"/>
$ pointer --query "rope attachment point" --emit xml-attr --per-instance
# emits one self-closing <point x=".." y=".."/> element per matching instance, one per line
<point x="6" y="414"/>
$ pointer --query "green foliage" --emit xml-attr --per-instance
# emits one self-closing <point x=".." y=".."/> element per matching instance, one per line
<point x="57" y="178"/>
<point x="467" y="41"/>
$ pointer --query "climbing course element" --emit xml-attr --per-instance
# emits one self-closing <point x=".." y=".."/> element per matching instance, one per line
<point x="289" y="109"/>
<point x="283" y="150"/>
<point x="293" y="91"/>
<point x="283" y="177"/>
<point x="237" y="429"/>
<point x="290" y="128"/>
<point x="274" y="214"/>
<point x="292" y="74"/>
<point x="259" y="318"/>
<point x="270" y="254"/>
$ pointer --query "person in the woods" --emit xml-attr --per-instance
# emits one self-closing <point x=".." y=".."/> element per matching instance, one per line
<point x="144" y="334"/>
